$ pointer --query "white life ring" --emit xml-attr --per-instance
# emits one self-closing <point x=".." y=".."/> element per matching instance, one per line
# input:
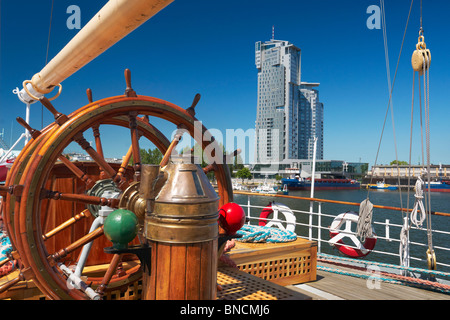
<point x="275" y="208"/>
<point x="336" y="234"/>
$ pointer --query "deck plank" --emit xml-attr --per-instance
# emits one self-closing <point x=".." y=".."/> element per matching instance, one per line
<point x="354" y="288"/>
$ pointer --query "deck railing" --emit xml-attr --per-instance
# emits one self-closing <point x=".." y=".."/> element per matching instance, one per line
<point x="314" y="225"/>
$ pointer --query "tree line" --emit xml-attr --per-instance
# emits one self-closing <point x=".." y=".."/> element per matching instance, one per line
<point x="154" y="156"/>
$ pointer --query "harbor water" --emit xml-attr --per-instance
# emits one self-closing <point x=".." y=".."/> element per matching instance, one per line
<point x="440" y="202"/>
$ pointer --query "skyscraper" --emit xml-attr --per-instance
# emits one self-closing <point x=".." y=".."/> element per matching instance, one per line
<point x="285" y="127"/>
<point x="311" y="121"/>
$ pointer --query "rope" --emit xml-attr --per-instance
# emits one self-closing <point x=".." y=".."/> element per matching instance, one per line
<point x="364" y="227"/>
<point x="386" y="265"/>
<point x="418" y="204"/>
<point x="46" y="56"/>
<point x="426" y="65"/>
<point x="5" y="246"/>
<point x="390" y="91"/>
<point x="357" y="275"/>
<point x="398" y="279"/>
<point x="404" y="244"/>
<point x="250" y="233"/>
<point x="403" y="280"/>
<point x="390" y="94"/>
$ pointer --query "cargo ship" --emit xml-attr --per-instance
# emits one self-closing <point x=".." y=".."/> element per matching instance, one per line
<point x="438" y="186"/>
<point x="320" y="184"/>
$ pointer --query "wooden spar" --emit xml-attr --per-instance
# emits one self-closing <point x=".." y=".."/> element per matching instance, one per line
<point x="112" y="23"/>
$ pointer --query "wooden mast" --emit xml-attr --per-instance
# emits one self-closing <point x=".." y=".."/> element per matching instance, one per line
<point x="112" y="23"/>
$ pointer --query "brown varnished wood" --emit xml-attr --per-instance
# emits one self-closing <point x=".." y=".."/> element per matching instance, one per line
<point x="109" y="274"/>
<point x="135" y="145"/>
<point x="60" y="118"/>
<point x="193" y="258"/>
<point x="41" y="174"/>
<point x="182" y="271"/>
<point x="62" y="214"/>
<point x="98" y="146"/>
<point x="178" y="273"/>
<point x="98" y="158"/>
<point x="66" y="224"/>
<point x="77" y="172"/>
<point x="62" y="253"/>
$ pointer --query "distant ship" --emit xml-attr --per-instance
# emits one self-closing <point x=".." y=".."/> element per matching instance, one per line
<point x="438" y="186"/>
<point x="381" y="185"/>
<point x="321" y="184"/>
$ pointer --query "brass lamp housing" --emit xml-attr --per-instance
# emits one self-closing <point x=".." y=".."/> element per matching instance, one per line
<point x="185" y="210"/>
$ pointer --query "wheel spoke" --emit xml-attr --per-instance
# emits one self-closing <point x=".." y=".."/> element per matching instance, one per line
<point x="210" y="167"/>
<point x="84" y="214"/>
<point x="98" y="146"/>
<point x="135" y="146"/>
<point x="79" y="138"/>
<point x="76" y="171"/>
<point x="98" y="141"/>
<point x="77" y="244"/>
<point x="56" y="195"/>
<point x="173" y="144"/>
<point x="124" y="164"/>
<point x="109" y="274"/>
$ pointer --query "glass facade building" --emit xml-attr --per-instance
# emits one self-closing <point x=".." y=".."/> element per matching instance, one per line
<point x="289" y="114"/>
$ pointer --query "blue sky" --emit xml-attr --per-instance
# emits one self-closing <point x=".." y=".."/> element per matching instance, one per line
<point x="208" y="47"/>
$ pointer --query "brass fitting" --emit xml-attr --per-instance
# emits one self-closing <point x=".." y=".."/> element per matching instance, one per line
<point x="183" y="209"/>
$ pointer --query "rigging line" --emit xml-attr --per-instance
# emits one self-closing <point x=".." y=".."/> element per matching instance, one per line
<point x="426" y="76"/>
<point x="410" y="140"/>
<point x="427" y="195"/>
<point x="421" y="139"/>
<point x="46" y="56"/>
<point x="421" y="15"/>
<point x="49" y="32"/>
<point x="391" y="89"/>
<point x="386" y="51"/>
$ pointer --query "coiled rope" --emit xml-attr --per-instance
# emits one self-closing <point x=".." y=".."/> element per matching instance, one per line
<point x="364" y="227"/>
<point x="5" y="250"/>
<point x="5" y="246"/>
<point x="250" y="233"/>
<point x="418" y="205"/>
<point x="381" y="264"/>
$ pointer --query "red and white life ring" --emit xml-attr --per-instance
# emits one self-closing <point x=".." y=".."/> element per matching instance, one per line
<point x="275" y="208"/>
<point x="357" y="250"/>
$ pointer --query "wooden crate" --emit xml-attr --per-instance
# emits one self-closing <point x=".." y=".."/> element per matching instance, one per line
<point x="282" y="263"/>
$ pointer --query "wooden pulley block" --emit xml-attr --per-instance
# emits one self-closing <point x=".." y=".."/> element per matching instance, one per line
<point x="421" y="55"/>
<point x="431" y="259"/>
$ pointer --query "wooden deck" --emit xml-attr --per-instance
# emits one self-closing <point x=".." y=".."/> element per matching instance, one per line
<point x="332" y="286"/>
<point x="239" y="285"/>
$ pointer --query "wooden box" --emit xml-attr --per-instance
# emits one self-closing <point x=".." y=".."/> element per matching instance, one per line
<point x="282" y="263"/>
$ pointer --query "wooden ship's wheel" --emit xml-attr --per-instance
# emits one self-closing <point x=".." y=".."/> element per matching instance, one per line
<point x="53" y="207"/>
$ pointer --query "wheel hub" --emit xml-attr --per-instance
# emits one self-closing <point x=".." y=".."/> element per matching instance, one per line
<point x="98" y="190"/>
